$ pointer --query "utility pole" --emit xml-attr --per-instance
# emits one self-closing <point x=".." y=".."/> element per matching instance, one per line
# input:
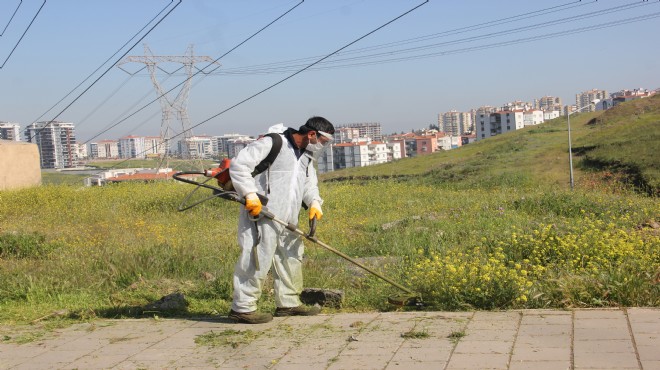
<point x="176" y="107"/>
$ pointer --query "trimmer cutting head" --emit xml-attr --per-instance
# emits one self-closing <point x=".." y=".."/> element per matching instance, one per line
<point x="406" y="299"/>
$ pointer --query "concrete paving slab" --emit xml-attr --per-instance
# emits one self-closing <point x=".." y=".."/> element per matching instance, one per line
<point x="483" y="361"/>
<point x="538" y="339"/>
<point x="483" y="346"/>
<point x="537" y="354"/>
<point x="544" y="341"/>
<point x="540" y="365"/>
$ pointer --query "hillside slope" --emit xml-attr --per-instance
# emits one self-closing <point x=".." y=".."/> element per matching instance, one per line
<point x="621" y="140"/>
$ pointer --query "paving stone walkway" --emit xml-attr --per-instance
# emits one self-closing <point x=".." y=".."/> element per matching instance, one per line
<point x="526" y="339"/>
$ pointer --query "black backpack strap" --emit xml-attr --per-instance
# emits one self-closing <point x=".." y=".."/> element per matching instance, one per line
<point x="270" y="158"/>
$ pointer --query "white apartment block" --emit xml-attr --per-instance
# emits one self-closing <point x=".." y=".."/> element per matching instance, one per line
<point x="378" y="152"/>
<point x="551" y="114"/>
<point x="198" y="147"/>
<point x="220" y="144"/>
<point x="348" y="155"/>
<point x="499" y="123"/>
<point x="56" y="142"/>
<point x="394" y="150"/>
<point x="154" y="146"/>
<point x="235" y="145"/>
<point x="363" y="153"/>
<point x="104" y="149"/>
<point x="81" y="151"/>
<point x="371" y="130"/>
<point x="132" y="147"/>
<point x="325" y="161"/>
<point x="346" y="134"/>
<point x="455" y="123"/>
<point x="517" y="105"/>
<point x="449" y="142"/>
<point x="548" y="103"/>
<point x="476" y="113"/>
<point x="532" y="117"/>
<point x="583" y="100"/>
<point x="10" y="131"/>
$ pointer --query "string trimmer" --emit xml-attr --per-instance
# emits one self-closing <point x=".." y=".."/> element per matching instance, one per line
<point x="406" y="298"/>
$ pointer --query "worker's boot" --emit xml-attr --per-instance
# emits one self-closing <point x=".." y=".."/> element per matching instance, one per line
<point x="297" y="311"/>
<point x="253" y="317"/>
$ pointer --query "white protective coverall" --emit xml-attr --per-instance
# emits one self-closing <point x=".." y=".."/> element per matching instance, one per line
<point x="291" y="181"/>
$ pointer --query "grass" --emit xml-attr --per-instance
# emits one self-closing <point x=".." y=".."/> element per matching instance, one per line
<point x="455" y="336"/>
<point x="492" y="225"/>
<point x="178" y="164"/>
<point x="229" y="337"/>
<point x="413" y="334"/>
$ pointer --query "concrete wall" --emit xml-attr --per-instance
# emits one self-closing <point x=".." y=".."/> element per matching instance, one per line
<point x="19" y="165"/>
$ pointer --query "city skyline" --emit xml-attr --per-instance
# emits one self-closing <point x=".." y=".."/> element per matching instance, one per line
<point x="467" y="55"/>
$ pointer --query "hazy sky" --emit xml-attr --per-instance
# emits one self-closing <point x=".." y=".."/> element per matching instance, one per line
<point x="444" y="55"/>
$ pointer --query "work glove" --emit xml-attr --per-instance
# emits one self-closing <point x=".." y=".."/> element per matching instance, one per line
<point x="253" y="204"/>
<point x="315" y="210"/>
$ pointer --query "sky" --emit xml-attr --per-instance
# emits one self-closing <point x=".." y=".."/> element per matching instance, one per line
<point x="338" y="59"/>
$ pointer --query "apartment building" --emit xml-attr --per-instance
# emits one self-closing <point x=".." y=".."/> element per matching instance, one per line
<point x="154" y="146"/>
<point x="551" y="114"/>
<point x="197" y="147"/>
<point x="104" y="149"/>
<point x="81" y="151"/>
<point x="455" y="123"/>
<point x="361" y="154"/>
<point x="56" y="142"/>
<point x="132" y="147"/>
<point x="448" y="142"/>
<point x="10" y="131"/>
<point x="499" y="123"/>
<point x="583" y="100"/>
<point x="220" y="144"/>
<point x="532" y="117"/>
<point x="548" y="103"/>
<point x="369" y="130"/>
<point x="235" y="145"/>
<point x="408" y="143"/>
<point x="347" y="134"/>
<point x="426" y="144"/>
<point x="517" y="105"/>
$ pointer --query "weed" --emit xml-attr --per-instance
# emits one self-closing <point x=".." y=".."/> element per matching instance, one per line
<point x="356" y="324"/>
<point x="413" y="334"/>
<point x="25" y="246"/>
<point x="490" y="225"/>
<point x="456" y="336"/>
<point x="229" y="337"/>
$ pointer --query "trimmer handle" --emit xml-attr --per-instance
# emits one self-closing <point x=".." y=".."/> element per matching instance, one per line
<point x="312" y="227"/>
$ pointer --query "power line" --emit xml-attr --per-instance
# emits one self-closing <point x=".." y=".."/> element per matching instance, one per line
<point x="103" y="101"/>
<point x="107" y="70"/>
<point x="281" y="67"/>
<point x="105" y="62"/>
<point x="307" y="67"/>
<point x="507" y="43"/>
<point x="201" y="70"/>
<point x="12" y="17"/>
<point x="196" y="73"/>
<point x="292" y="75"/>
<point x="23" y="35"/>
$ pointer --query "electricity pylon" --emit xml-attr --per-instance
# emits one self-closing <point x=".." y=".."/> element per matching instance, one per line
<point x="178" y="106"/>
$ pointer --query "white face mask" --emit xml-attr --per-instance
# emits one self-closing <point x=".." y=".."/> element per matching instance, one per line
<point x="316" y="148"/>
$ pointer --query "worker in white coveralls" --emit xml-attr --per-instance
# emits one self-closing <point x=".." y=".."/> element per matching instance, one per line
<point x="289" y="182"/>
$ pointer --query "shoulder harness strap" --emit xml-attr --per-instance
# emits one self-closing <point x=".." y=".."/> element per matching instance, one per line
<point x="272" y="155"/>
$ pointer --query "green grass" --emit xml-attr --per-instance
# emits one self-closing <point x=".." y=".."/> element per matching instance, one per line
<point x="622" y="141"/>
<point x="178" y="164"/>
<point x="492" y="225"/>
